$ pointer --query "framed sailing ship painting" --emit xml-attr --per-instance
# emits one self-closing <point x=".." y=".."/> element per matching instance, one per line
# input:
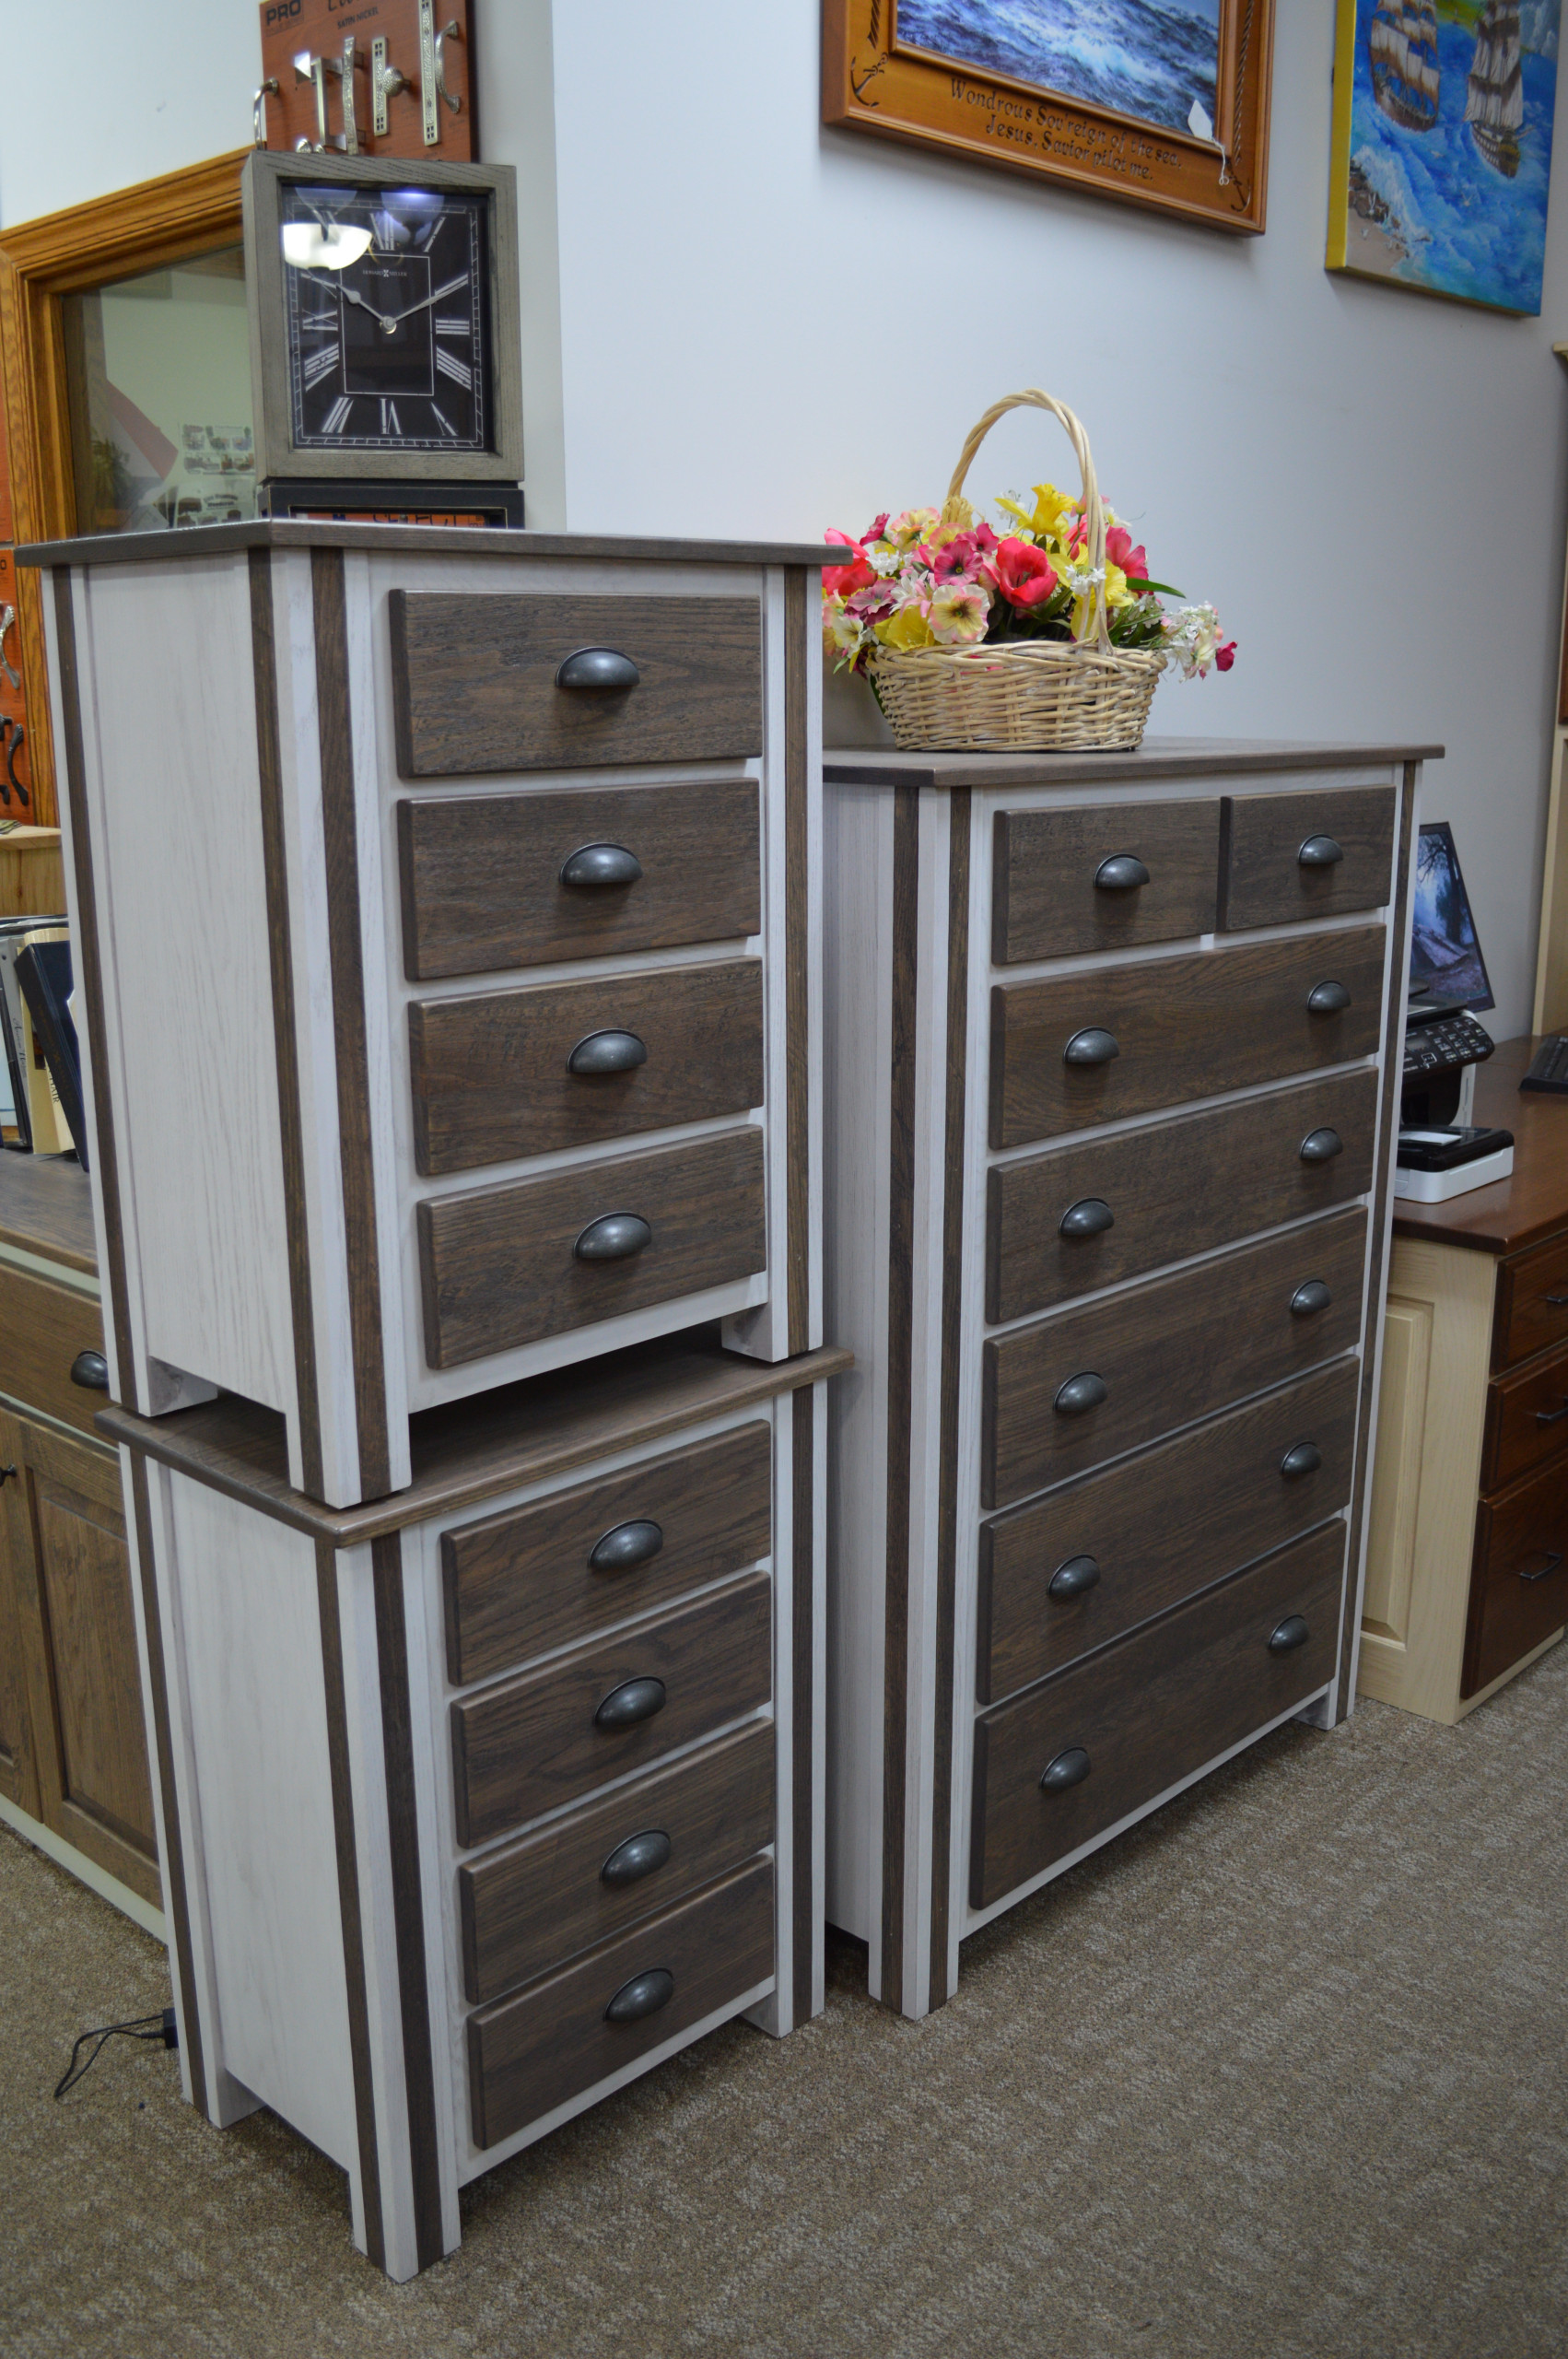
<point x="1442" y="159"/>
<point x="1165" y="105"/>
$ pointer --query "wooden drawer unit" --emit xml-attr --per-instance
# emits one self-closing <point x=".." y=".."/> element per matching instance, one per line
<point x="1102" y="878"/>
<point x="1532" y="1302"/>
<point x="1064" y="1760"/>
<point x="1092" y="1561"/>
<point x="519" y="1584"/>
<point x="1158" y="1031"/>
<point x="535" y="2050"/>
<point x="44" y="1331"/>
<point x="533" y="1072"/>
<point x="608" y="1708"/>
<point x="1173" y="1190"/>
<point x="477" y="681"/>
<point x="1519" y="1582"/>
<point x="505" y="1265"/>
<point x="485" y="884"/>
<point x="1062" y="1397"/>
<point x="1320" y="855"/>
<point x="586" y="1877"/>
<point x="1527" y="1420"/>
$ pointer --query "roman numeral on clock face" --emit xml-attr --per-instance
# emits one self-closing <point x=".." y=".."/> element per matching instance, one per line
<point x="336" y="418"/>
<point x="389" y="418"/>
<point x="322" y="364"/>
<point x="458" y="371"/>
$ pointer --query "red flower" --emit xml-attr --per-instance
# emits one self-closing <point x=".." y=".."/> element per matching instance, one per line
<point x="875" y="529"/>
<point x="1224" y="655"/>
<point x="838" y="580"/>
<point x="1023" y="573"/>
<point x="1134" y="562"/>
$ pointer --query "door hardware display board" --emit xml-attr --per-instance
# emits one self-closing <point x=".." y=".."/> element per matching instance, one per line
<point x="388" y="77"/>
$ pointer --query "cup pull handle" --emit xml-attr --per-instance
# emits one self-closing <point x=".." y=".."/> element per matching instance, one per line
<point x="1073" y="1579"/>
<point x="1093" y="1046"/>
<point x="627" y="1706"/>
<point x="1082" y="1394"/>
<point x="1319" y="851"/>
<point x="603" y="669"/>
<point x="1321" y="1146"/>
<point x="597" y="865"/>
<point x="1310" y="1298"/>
<point x="607" y="1052"/>
<point x="638" y="1856"/>
<point x="1070" y="1768"/>
<point x="643" y="1995"/>
<point x="1305" y="1458"/>
<point x="90" y="1370"/>
<point x="1328" y="999"/>
<point x="1287" y="1636"/>
<point x="614" y="1237"/>
<point x="625" y="1546"/>
<point x="1123" y="873"/>
<point x="1090" y="1217"/>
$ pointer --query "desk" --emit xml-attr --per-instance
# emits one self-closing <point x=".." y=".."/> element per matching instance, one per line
<point x="1467" y="1578"/>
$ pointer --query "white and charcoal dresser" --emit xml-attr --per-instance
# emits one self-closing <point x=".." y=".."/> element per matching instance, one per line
<point x="448" y="910"/>
<point x="1112" y="1055"/>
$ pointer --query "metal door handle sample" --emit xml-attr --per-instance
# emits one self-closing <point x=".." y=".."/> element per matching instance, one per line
<point x="607" y="1052"/>
<point x="625" y="1546"/>
<point x="614" y="1237"/>
<point x="1288" y="1635"/>
<point x="1305" y="1458"/>
<point x="1093" y="1046"/>
<point x="598" y="667"/>
<point x="596" y="866"/>
<point x="1070" y="1768"/>
<point x="1319" y="851"/>
<point x="627" y="1706"/>
<point x="1090" y="1217"/>
<point x="90" y="1370"/>
<point x="1082" y="1394"/>
<point x="1074" y="1577"/>
<point x="1321" y="1146"/>
<point x="638" y="1856"/>
<point x="259" y="111"/>
<point x="643" y="1995"/>
<point x="1328" y="999"/>
<point x="1310" y="1298"/>
<point x="1553" y="1561"/>
<point x="1123" y="873"/>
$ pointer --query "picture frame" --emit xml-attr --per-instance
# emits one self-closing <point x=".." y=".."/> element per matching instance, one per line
<point x="278" y="456"/>
<point x="876" y="78"/>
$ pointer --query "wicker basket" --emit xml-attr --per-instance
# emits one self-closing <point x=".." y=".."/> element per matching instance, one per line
<point x="1021" y="696"/>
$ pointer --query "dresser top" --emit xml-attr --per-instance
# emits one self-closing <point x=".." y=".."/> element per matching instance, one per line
<point x="423" y="540"/>
<point x="1533" y="1203"/>
<point x="1156" y="758"/>
<point x="46" y="1209"/>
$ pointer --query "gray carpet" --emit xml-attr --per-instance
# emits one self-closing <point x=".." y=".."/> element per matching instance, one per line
<point x="1281" y="2074"/>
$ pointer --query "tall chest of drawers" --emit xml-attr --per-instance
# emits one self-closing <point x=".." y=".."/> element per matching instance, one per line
<point x="447" y="907"/>
<point x="1111" y="1082"/>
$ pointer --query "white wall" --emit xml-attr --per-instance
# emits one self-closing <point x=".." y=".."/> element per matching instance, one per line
<point x="737" y="323"/>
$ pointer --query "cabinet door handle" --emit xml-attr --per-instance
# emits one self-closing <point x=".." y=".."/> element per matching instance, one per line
<point x="1319" y="851"/>
<point x="1557" y="1301"/>
<point x="6" y="1476"/>
<point x="1553" y="1561"/>
<point x="597" y="865"/>
<point x="1552" y="1416"/>
<point x="634" y="1701"/>
<point x="1074" y="1577"/>
<point x="1305" y="1458"/>
<point x="1093" y="1046"/>
<point x="638" y="1856"/>
<point x="90" y="1370"/>
<point x="1287" y="1636"/>
<point x="614" y="1237"/>
<point x="643" y="1995"/>
<point x="1328" y="999"/>
<point x="626" y="1546"/>
<point x="1070" y="1768"/>
<point x="1090" y="1217"/>
<point x="601" y="668"/>
<point x="1123" y="873"/>
<point x="607" y="1052"/>
<point x="1321" y="1146"/>
<point x="1310" y="1298"/>
<point x="1082" y="1394"/>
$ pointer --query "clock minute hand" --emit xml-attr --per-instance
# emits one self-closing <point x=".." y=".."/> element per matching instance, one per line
<point x="424" y="301"/>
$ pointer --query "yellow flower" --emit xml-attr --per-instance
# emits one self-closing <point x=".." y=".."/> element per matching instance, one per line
<point x="1117" y="591"/>
<point x="1023" y="515"/>
<point x="904" y="530"/>
<point x="1051" y="519"/>
<point x="907" y="629"/>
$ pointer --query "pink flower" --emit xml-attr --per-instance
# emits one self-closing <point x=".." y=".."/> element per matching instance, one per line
<point x="1023" y="573"/>
<point x="838" y="580"/>
<point x="876" y="529"/>
<point x="1134" y="562"/>
<point x="1224" y="655"/>
<point x="985" y="540"/>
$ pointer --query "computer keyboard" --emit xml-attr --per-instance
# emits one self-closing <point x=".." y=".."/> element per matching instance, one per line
<point x="1549" y="1066"/>
<point x="1451" y="1040"/>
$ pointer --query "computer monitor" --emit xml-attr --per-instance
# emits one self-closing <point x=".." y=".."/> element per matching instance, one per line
<point x="1446" y="967"/>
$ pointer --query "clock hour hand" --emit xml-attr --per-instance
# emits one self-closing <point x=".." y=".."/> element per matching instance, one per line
<point x="336" y="287"/>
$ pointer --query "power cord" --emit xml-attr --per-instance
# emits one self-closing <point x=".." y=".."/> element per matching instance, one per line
<point x="164" y="2028"/>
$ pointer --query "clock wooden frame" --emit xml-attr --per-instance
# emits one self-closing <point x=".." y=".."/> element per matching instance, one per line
<point x="278" y="455"/>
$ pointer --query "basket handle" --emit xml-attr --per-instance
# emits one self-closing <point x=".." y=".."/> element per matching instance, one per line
<point x="1094" y="509"/>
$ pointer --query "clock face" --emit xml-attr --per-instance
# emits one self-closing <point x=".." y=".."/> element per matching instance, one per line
<point x="388" y="331"/>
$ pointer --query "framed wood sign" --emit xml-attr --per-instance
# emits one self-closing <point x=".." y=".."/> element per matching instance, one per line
<point x="1172" y="111"/>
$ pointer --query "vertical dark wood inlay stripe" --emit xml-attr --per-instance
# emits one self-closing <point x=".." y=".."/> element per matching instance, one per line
<point x="89" y="980"/>
<point x="952" y="1311"/>
<point x="264" y="656"/>
<point x="900" y="1381"/>
<point x="348" y="1020"/>
<point x="805" y="1914"/>
<point x="163" y="1749"/>
<point x="1371" y="1348"/>
<point x="348" y="1898"/>
<point x="408" y="1914"/>
<point x="797" y="654"/>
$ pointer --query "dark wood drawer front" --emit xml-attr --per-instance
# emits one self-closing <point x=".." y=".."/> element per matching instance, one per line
<point x="1191" y="1026"/>
<point x="498" y="1266"/>
<point x="1149" y="1532"/>
<point x="1268" y="882"/>
<point x="523" y="1748"/>
<point x="1150" y="1711"/>
<point x="493" y="1077"/>
<point x="519" y="1584"/>
<point x="1527" y="1420"/>
<point x="554" y="2039"/>
<point x="1532" y="1303"/>
<point x="43" y="1329"/>
<point x="1166" y="1354"/>
<point x="1176" y="1188"/>
<point x="526" y="1908"/>
<point x="1519" y="1585"/>
<point x="482" y="884"/>
<point x="1062" y="877"/>
<point x="474" y="685"/>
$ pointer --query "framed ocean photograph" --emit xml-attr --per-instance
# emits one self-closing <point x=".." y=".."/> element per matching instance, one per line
<point x="1159" y="102"/>
<point x="1442" y="156"/>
